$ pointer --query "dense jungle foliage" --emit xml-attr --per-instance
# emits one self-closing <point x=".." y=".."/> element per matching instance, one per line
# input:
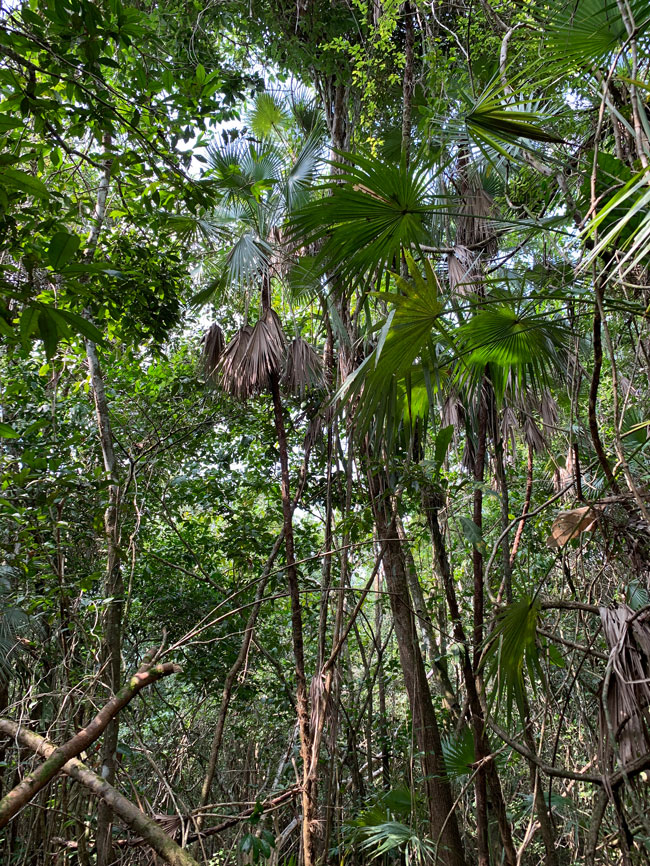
<point x="324" y="432"/>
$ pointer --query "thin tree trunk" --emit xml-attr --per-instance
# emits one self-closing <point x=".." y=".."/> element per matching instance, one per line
<point x="111" y="646"/>
<point x="408" y="85"/>
<point x="430" y="645"/>
<point x="525" y="509"/>
<point x="593" y="399"/>
<point x="505" y="519"/>
<point x="309" y="816"/>
<point x="480" y="783"/>
<point x="537" y="791"/>
<point x="425" y="725"/>
<point x="232" y="676"/>
<point x="432" y="502"/>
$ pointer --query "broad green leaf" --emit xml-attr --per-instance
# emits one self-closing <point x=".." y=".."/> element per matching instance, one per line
<point x="21" y="180"/>
<point x="49" y="332"/>
<point x="82" y="326"/>
<point x="62" y="249"/>
<point x="473" y="534"/>
<point x="7" y="432"/>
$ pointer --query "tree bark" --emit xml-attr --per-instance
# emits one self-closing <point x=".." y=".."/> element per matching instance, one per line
<point x="111" y="646"/>
<point x="133" y="817"/>
<point x="19" y="796"/>
<point x="593" y="399"/>
<point x="309" y="812"/>
<point x="425" y="725"/>
<point x="431" y="503"/>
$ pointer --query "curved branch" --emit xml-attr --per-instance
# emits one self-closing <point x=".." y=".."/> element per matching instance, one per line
<point x="133" y="817"/>
<point x="19" y="796"/>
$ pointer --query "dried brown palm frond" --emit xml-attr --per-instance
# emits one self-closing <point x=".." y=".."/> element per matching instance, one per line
<point x="548" y="409"/>
<point x="475" y="222"/>
<point x="509" y="427"/>
<point x="213" y="345"/>
<point x="317" y="425"/>
<point x="453" y="412"/>
<point x="625" y="695"/>
<point x="463" y="271"/>
<point x="303" y="368"/>
<point x="264" y="354"/>
<point x="231" y="374"/>
<point x="533" y="435"/>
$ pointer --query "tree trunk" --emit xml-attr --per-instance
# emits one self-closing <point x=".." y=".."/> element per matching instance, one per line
<point x="444" y="825"/>
<point x="111" y="646"/>
<point x="432" y="501"/>
<point x="309" y="813"/>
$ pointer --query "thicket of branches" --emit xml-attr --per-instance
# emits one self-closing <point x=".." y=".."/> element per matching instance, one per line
<point x="324" y="424"/>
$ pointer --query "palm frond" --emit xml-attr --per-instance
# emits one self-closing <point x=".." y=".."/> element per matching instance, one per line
<point x="263" y="353"/>
<point x="303" y="368"/>
<point x="459" y="754"/>
<point x="512" y="648"/>
<point x="247" y="259"/>
<point x="268" y="113"/>
<point x="586" y="31"/>
<point x="231" y="370"/>
<point x="213" y="347"/>
<point x="522" y="347"/>
<point x="303" y="171"/>
<point x="368" y="214"/>
<point x="388" y="379"/>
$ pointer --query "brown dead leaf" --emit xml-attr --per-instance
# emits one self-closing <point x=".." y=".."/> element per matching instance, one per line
<point x="570" y="524"/>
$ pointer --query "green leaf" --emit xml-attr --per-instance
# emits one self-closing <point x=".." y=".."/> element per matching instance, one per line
<point x="443" y="440"/>
<point x="473" y="534"/>
<point x="48" y="331"/>
<point x="28" y="321"/>
<point x="512" y="646"/>
<point x="7" y="123"/>
<point x="62" y="249"/>
<point x="82" y="326"/>
<point x="21" y="180"/>
<point x="7" y="432"/>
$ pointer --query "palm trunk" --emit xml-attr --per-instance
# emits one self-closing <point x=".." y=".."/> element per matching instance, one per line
<point x="309" y="814"/>
<point x="525" y="509"/>
<point x="432" y="502"/>
<point x="442" y="817"/>
<point x="480" y="784"/>
<point x="593" y="397"/>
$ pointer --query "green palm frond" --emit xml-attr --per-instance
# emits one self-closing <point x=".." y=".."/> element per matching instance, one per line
<point x="247" y="259"/>
<point x="512" y="648"/>
<point x="508" y="122"/>
<point x="522" y="347"/>
<point x="302" y="172"/>
<point x="393" y="836"/>
<point x="392" y="388"/>
<point x="625" y="220"/>
<point x="369" y="213"/>
<point x="589" y="30"/>
<point x="243" y="171"/>
<point x="268" y="113"/>
<point x="459" y="754"/>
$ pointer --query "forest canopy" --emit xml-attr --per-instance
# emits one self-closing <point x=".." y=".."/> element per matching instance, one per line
<point x="324" y="432"/>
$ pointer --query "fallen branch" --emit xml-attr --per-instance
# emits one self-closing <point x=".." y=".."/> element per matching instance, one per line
<point x="19" y="796"/>
<point x="134" y="818"/>
<point x="242" y="816"/>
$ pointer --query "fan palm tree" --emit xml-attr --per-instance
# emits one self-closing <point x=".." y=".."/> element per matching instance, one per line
<point x="260" y="182"/>
<point x="493" y="347"/>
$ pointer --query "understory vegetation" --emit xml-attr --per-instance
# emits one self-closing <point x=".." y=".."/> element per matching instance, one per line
<point x="324" y="432"/>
